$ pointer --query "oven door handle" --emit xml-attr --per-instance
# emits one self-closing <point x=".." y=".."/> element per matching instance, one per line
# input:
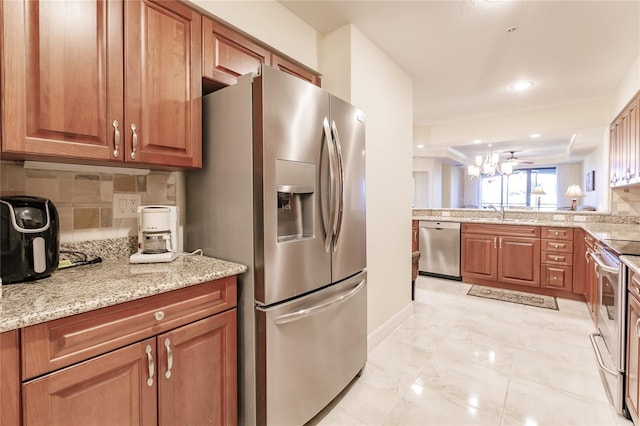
<point x="592" y="337"/>
<point x="596" y="258"/>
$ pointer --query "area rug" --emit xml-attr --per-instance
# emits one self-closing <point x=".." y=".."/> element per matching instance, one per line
<point x="548" y="302"/>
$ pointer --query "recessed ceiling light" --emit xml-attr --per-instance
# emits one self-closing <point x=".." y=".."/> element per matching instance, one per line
<point x="522" y="85"/>
<point x="477" y="141"/>
<point x="534" y="135"/>
<point x="419" y="146"/>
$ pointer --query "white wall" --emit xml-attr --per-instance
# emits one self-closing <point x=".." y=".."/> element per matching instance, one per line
<point x="598" y="160"/>
<point x="434" y="167"/>
<point x="628" y="87"/>
<point x="270" y="22"/>
<point x="385" y="93"/>
<point x="421" y="188"/>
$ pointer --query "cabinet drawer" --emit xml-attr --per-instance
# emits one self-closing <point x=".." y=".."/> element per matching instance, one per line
<point x="557" y="277"/>
<point x="59" y="343"/>
<point x="555" y="258"/>
<point x="634" y="282"/>
<point x="557" y="246"/>
<point x="557" y="233"/>
<point x="499" y="229"/>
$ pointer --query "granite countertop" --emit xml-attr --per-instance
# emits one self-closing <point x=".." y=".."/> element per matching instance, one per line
<point x="85" y="288"/>
<point x="632" y="261"/>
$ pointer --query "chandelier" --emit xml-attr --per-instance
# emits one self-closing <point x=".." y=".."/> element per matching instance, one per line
<point x="488" y="165"/>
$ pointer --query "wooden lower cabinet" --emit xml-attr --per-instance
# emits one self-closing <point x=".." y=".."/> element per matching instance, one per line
<point x="500" y="254"/>
<point x="632" y="391"/>
<point x="185" y="376"/>
<point x="9" y="379"/>
<point x="113" y="389"/>
<point x="414" y="236"/>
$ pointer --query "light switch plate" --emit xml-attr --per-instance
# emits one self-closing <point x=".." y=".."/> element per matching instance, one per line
<point x="126" y="205"/>
<point x="558" y="217"/>
<point x="579" y="218"/>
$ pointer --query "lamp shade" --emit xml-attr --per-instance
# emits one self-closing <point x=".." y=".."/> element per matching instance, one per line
<point x="574" y="191"/>
<point x="538" y="190"/>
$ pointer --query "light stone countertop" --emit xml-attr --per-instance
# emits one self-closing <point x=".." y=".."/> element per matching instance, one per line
<point x="632" y="262"/>
<point x="85" y="288"/>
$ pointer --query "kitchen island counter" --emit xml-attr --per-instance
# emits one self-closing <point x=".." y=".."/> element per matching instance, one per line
<point x="85" y="288"/>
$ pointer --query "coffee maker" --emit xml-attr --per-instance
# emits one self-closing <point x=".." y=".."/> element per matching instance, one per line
<point x="157" y="235"/>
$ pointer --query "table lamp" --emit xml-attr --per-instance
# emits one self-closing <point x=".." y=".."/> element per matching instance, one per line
<point x="538" y="190"/>
<point x="574" y="191"/>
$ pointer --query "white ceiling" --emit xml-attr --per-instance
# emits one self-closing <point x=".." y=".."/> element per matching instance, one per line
<point x="463" y="60"/>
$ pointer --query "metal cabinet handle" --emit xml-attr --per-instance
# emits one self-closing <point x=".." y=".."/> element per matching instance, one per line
<point x="116" y="139"/>
<point x="134" y="140"/>
<point x="556" y="232"/>
<point x="167" y="344"/>
<point x="152" y="368"/>
<point x="637" y="290"/>
<point x="495" y="239"/>
<point x="329" y="225"/>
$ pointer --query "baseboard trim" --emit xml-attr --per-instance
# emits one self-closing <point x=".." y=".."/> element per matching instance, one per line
<point x="379" y="334"/>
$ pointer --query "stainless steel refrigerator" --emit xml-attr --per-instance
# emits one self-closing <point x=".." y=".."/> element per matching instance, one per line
<point x="282" y="190"/>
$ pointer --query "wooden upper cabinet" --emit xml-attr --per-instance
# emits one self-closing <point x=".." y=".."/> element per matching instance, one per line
<point x="65" y="68"/>
<point x="227" y="54"/>
<point x="624" y="145"/>
<point x="289" y="67"/>
<point x="62" y="84"/>
<point x="163" y="89"/>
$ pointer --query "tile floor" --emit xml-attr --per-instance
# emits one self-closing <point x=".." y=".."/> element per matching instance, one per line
<point x="464" y="360"/>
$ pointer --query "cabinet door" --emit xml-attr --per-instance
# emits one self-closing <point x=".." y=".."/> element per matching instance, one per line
<point x="227" y="54"/>
<point x="633" y="140"/>
<point x="556" y="277"/>
<point x="519" y="260"/>
<point x="62" y="80"/>
<point x="632" y="396"/>
<point x="479" y="256"/>
<point x="289" y="67"/>
<point x="163" y="89"/>
<point x="197" y="373"/>
<point x="113" y="389"/>
<point x="9" y="379"/>
<point x="579" y="262"/>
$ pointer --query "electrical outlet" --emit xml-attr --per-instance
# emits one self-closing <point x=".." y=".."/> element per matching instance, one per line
<point x="126" y="205"/>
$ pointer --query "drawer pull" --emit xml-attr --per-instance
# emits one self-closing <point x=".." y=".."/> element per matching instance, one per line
<point x="494" y="241"/>
<point x="555" y="278"/>
<point x="556" y="233"/>
<point x="167" y="344"/>
<point x="637" y="291"/>
<point x="134" y="138"/>
<point x="116" y="138"/>
<point x="159" y="316"/>
<point x="152" y="367"/>
<point x="556" y="258"/>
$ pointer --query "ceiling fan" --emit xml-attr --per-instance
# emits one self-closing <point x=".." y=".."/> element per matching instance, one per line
<point x="513" y="159"/>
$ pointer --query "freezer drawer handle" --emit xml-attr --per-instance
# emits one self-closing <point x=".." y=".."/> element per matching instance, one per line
<point x="592" y="337"/>
<point x="303" y="313"/>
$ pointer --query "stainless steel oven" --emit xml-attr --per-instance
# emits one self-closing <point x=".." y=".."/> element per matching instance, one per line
<point x="609" y="339"/>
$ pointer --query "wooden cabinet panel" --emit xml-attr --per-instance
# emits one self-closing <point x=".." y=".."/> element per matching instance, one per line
<point x="62" y="84"/>
<point x="289" y="67"/>
<point x="197" y="373"/>
<point x="557" y="277"/>
<point x="110" y="390"/>
<point x="414" y="236"/>
<point x="632" y="391"/>
<point x="56" y="344"/>
<point x="499" y="229"/>
<point x="579" y="262"/>
<point x="557" y="246"/>
<point x="624" y="145"/>
<point x="227" y="54"/>
<point x="479" y="256"/>
<point x="557" y="233"/>
<point x="519" y="260"/>
<point x="9" y="378"/>
<point x="163" y="86"/>
<point x="564" y="259"/>
<point x="634" y="283"/>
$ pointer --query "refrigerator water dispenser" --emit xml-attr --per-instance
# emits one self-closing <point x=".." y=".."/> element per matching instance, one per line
<point x="295" y="186"/>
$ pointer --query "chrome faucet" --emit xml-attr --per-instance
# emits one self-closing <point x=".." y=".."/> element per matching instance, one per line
<point x="500" y="211"/>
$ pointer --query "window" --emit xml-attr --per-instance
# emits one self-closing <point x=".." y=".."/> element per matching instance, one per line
<point x="514" y="191"/>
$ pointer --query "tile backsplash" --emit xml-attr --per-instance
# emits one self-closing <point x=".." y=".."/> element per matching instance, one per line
<point x="84" y="200"/>
<point x="626" y="201"/>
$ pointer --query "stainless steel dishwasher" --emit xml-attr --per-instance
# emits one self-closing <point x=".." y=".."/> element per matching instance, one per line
<point x="440" y="249"/>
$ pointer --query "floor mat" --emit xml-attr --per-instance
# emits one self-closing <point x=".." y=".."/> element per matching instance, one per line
<point x="548" y="302"/>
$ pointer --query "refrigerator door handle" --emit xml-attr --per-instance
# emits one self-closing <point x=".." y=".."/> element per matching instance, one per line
<point x="340" y="206"/>
<point x="303" y="313"/>
<point x="329" y="226"/>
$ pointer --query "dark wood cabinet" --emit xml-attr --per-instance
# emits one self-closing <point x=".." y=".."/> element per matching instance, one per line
<point x="506" y="254"/>
<point x="624" y="145"/>
<point x="228" y="54"/>
<point x="414" y="236"/>
<point x="632" y="382"/>
<point x="579" y="262"/>
<point x="64" y="84"/>
<point x="9" y="379"/>
<point x="557" y="258"/>
<point x="163" y="360"/>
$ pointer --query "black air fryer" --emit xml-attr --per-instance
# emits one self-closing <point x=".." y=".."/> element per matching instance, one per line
<point x="28" y="238"/>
